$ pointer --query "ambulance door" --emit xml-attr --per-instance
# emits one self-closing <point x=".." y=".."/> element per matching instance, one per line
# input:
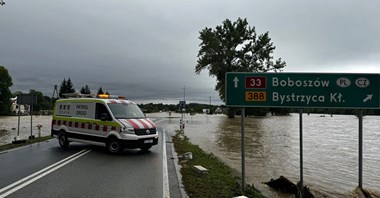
<point x="101" y="112"/>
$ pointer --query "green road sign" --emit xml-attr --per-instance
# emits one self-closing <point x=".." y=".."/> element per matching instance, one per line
<point x="303" y="90"/>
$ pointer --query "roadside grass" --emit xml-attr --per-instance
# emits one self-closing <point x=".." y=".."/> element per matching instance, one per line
<point x="32" y="141"/>
<point x="220" y="181"/>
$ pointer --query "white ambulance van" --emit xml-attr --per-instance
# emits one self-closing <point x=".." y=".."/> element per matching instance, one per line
<point x="113" y="122"/>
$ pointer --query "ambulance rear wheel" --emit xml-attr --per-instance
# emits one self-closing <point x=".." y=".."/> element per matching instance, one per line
<point x="114" y="145"/>
<point x="62" y="139"/>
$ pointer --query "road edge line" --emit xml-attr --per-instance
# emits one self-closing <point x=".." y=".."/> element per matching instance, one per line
<point x="165" y="185"/>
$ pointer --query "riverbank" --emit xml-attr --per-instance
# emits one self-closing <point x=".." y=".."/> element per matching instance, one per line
<point x="219" y="181"/>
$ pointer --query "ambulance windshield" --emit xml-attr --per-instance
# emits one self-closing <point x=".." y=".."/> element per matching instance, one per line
<point x="126" y="111"/>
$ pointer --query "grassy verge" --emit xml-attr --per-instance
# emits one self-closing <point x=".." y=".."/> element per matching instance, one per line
<point x="11" y="146"/>
<point x="220" y="181"/>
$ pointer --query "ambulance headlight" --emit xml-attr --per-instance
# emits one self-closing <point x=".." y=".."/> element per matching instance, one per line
<point x="128" y="130"/>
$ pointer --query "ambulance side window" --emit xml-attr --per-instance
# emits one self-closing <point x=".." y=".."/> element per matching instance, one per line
<point x="102" y="112"/>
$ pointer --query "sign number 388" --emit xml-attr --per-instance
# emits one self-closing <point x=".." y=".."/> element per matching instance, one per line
<point x="256" y="96"/>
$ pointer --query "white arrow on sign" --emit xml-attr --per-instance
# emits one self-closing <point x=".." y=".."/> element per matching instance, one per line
<point x="369" y="97"/>
<point x="236" y="80"/>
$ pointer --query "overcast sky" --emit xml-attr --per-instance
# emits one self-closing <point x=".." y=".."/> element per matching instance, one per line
<point x="147" y="49"/>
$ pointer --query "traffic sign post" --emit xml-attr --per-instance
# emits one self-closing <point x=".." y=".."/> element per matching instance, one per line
<point x="182" y="108"/>
<point x="304" y="90"/>
<point x="31" y="100"/>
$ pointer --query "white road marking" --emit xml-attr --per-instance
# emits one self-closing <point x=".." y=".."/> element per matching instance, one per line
<point x="37" y="175"/>
<point x="165" y="185"/>
<point x="166" y="191"/>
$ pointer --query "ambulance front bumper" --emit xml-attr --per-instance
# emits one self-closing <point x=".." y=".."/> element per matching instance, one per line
<point x="145" y="142"/>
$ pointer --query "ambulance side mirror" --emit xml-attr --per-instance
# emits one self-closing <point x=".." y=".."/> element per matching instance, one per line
<point x="105" y="117"/>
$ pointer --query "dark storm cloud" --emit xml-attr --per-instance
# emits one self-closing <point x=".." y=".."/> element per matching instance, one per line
<point x="147" y="50"/>
<point x="325" y="35"/>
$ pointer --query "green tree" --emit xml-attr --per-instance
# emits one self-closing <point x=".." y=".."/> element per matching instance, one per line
<point x="85" y="90"/>
<point x="5" y="93"/>
<point x="235" y="47"/>
<point x="62" y="88"/>
<point x="66" y="87"/>
<point x="39" y="96"/>
<point x="42" y="101"/>
<point x="70" y="86"/>
<point x="45" y="105"/>
<point x="100" y="91"/>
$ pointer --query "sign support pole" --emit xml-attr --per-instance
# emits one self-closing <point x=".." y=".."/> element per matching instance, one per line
<point x="301" y="154"/>
<point x="19" y="114"/>
<point x="242" y="149"/>
<point x="31" y="118"/>
<point x="360" y="149"/>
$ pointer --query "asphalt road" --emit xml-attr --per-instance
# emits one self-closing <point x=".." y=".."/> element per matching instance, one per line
<point x="46" y="170"/>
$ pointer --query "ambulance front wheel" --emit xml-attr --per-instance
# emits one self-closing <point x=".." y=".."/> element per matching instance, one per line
<point x="62" y="139"/>
<point x="114" y="145"/>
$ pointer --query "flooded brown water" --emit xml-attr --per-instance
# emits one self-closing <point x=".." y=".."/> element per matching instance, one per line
<point x="9" y="125"/>
<point x="272" y="149"/>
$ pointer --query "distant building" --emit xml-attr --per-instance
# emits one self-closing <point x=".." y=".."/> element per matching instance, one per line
<point x="206" y="111"/>
<point x="218" y="110"/>
<point x="24" y="109"/>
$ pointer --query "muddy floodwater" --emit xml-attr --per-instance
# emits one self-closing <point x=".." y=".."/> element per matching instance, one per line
<point x="9" y="127"/>
<point x="272" y="146"/>
<point x="272" y="149"/>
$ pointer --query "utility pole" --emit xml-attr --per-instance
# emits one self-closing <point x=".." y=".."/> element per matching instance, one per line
<point x="55" y="92"/>
<point x="184" y="93"/>
<point x="182" y="123"/>
<point x="210" y="105"/>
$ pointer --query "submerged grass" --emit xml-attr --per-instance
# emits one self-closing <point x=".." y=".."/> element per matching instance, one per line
<point x="32" y="141"/>
<point x="220" y="181"/>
